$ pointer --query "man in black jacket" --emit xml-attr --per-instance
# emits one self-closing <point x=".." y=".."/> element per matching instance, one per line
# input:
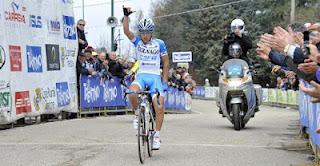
<point x="237" y="36"/>
<point x="115" y="68"/>
<point x="82" y="41"/>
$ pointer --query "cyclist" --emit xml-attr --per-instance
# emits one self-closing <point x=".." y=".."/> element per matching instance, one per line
<point x="150" y="51"/>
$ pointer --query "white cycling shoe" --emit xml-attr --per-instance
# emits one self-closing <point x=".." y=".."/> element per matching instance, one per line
<point x="156" y="141"/>
<point x="135" y="123"/>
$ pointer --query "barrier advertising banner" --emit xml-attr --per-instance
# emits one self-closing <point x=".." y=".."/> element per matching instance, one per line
<point x="36" y="39"/>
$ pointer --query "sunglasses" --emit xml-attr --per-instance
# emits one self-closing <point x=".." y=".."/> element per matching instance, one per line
<point x="237" y="27"/>
<point x="81" y="24"/>
<point x="145" y="32"/>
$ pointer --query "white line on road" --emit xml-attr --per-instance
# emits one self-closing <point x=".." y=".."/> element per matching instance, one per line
<point x="130" y="143"/>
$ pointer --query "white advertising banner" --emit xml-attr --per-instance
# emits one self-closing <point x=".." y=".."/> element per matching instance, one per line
<point x="182" y="56"/>
<point x="210" y="92"/>
<point x="38" y="45"/>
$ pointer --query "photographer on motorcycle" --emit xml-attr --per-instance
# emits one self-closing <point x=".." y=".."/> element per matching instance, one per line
<point x="237" y="36"/>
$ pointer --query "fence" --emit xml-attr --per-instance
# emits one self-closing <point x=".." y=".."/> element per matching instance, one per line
<point x="107" y="96"/>
<point x="274" y="97"/>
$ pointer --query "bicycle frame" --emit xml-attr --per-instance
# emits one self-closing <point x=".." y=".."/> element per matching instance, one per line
<point x="146" y="122"/>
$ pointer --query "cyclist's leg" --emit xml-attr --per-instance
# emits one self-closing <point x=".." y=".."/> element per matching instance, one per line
<point x="159" y="107"/>
<point x="137" y="84"/>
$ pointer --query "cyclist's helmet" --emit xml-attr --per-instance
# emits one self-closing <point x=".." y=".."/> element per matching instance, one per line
<point x="146" y="25"/>
<point x="237" y="24"/>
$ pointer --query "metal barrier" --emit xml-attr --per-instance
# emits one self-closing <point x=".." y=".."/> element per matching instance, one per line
<point x="274" y="97"/>
<point x="98" y="96"/>
<point x="310" y="120"/>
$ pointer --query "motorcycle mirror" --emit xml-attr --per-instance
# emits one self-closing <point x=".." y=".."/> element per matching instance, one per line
<point x="214" y="69"/>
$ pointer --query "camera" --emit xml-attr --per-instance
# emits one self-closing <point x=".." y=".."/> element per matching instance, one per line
<point x="304" y="52"/>
<point x="231" y="37"/>
<point x="306" y="39"/>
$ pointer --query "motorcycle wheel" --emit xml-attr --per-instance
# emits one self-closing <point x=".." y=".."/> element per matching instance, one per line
<point x="236" y="116"/>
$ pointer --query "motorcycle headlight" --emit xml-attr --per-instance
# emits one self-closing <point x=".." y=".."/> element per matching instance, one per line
<point x="235" y="82"/>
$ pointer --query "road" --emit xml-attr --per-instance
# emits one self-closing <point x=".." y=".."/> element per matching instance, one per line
<point x="200" y="138"/>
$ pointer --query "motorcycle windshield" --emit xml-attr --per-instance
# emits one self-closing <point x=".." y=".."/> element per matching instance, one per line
<point x="234" y="68"/>
<point x="235" y="71"/>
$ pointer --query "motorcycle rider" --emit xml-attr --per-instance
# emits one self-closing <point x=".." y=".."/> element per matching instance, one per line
<point x="237" y="43"/>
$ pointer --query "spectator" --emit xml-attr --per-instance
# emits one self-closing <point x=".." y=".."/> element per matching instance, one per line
<point x="82" y="41"/>
<point x="83" y="67"/>
<point x="290" y="49"/>
<point x="206" y="82"/>
<point x="115" y="68"/>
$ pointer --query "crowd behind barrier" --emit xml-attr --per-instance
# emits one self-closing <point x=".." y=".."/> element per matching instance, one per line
<point x="95" y="94"/>
<point x="310" y="118"/>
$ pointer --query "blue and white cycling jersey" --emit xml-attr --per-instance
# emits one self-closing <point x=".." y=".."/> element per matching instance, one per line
<point x="149" y="55"/>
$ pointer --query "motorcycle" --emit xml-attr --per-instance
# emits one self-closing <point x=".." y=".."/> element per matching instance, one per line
<point x="239" y="98"/>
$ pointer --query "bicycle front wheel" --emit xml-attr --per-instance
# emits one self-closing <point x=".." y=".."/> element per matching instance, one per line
<point x="142" y="137"/>
<point x="150" y="134"/>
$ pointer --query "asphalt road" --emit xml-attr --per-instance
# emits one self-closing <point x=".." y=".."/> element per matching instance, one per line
<point x="201" y="138"/>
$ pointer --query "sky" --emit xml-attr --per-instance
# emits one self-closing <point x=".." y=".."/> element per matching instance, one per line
<point x="96" y="13"/>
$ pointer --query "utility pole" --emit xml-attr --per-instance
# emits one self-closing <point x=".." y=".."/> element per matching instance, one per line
<point x="112" y="28"/>
<point x="292" y="14"/>
<point x="82" y="9"/>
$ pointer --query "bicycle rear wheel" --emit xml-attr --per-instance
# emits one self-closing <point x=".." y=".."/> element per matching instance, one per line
<point x="142" y="137"/>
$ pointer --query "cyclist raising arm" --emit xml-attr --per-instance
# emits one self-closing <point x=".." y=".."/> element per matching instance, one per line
<point x="150" y="51"/>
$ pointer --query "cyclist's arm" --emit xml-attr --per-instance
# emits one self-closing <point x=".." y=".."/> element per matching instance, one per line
<point x="126" y="29"/>
<point x="165" y="70"/>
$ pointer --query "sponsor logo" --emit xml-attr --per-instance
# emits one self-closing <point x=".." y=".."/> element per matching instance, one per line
<point x="35" y="21"/>
<point x="4" y="84"/>
<point x="188" y="101"/>
<point x="67" y="57"/>
<point x="63" y="95"/>
<point x="37" y="99"/>
<point x="2" y="57"/>
<point x="69" y="31"/>
<point x="15" y="58"/>
<point x="148" y="50"/>
<point x="34" y="59"/>
<point x="5" y="100"/>
<point x="109" y="93"/>
<point x="53" y="57"/>
<point x="91" y="93"/>
<point x="22" y="101"/>
<point x="49" y="96"/>
<point x="54" y="26"/>
<point x="15" y="15"/>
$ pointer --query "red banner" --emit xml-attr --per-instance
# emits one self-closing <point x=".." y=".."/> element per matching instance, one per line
<point x="23" y="103"/>
<point x="15" y="58"/>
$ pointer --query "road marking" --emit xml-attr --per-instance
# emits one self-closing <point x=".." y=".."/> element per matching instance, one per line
<point x="131" y="143"/>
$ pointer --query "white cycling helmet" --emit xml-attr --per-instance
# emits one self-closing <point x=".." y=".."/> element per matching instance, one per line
<point x="146" y="25"/>
<point x="237" y="23"/>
